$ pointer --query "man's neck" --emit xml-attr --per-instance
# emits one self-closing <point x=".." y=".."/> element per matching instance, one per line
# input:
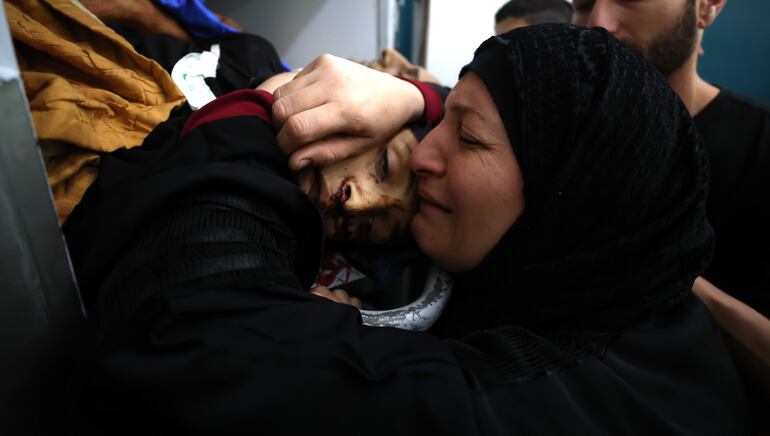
<point x="695" y="92"/>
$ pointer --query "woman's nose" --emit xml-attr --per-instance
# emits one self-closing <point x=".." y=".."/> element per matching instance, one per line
<point x="428" y="158"/>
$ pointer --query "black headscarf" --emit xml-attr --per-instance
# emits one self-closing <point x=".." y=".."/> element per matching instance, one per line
<point x="614" y="228"/>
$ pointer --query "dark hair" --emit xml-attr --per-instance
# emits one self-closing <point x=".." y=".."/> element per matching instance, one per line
<point x="536" y="11"/>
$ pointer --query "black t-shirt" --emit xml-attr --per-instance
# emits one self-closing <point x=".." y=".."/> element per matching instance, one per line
<point x="736" y="134"/>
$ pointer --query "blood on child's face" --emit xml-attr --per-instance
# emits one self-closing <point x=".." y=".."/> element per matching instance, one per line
<point x="369" y="198"/>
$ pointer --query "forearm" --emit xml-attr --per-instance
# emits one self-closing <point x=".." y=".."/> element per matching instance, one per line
<point x="742" y="323"/>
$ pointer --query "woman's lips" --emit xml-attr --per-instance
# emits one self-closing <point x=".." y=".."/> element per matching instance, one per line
<point x="430" y="200"/>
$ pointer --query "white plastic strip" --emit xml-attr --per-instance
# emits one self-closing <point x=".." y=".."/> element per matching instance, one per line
<point x="419" y="315"/>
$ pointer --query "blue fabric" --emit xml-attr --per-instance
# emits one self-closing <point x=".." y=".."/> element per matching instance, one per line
<point x="198" y="20"/>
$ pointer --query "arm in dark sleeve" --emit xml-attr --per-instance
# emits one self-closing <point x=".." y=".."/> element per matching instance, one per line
<point x="229" y="142"/>
<point x="276" y="361"/>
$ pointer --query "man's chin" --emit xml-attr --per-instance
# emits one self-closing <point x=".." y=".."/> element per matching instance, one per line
<point x="670" y="49"/>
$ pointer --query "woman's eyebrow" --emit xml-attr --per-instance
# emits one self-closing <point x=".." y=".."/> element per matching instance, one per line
<point x="464" y="109"/>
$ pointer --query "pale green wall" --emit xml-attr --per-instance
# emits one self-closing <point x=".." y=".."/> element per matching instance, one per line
<point x="737" y="49"/>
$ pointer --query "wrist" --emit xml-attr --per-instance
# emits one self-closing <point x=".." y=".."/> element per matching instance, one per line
<point x="413" y="98"/>
<point x="416" y="104"/>
<point x="431" y="110"/>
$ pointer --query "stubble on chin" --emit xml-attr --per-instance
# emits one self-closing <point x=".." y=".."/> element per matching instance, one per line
<point x="672" y="47"/>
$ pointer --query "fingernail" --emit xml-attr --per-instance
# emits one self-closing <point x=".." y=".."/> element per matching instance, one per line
<point x="303" y="163"/>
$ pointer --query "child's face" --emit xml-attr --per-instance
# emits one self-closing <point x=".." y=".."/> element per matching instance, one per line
<point x="368" y="198"/>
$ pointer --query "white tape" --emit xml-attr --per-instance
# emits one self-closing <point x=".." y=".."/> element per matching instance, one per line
<point x="419" y="315"/>
<point x="190" y="72"/>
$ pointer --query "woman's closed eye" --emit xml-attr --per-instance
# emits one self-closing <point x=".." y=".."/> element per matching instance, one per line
<point x="470" y="141"/>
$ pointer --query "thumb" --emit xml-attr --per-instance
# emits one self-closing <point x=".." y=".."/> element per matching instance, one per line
<point x="328" y="151"/>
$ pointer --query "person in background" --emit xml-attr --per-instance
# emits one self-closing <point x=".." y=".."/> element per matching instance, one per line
<point x="736" y="133"/>
<point x="519" y="13"/>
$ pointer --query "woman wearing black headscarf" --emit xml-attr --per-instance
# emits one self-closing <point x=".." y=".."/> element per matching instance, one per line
<point x="565" y="189"/>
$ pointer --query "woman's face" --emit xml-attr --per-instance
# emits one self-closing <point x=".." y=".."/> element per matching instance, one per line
<point x="470" y="185"/>
<point x="368" y="198"/>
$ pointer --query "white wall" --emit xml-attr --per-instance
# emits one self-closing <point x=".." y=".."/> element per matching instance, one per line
<point x="8" y="67"/>
<point x="300" y="30"/>
<point x="456" y="28"/>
